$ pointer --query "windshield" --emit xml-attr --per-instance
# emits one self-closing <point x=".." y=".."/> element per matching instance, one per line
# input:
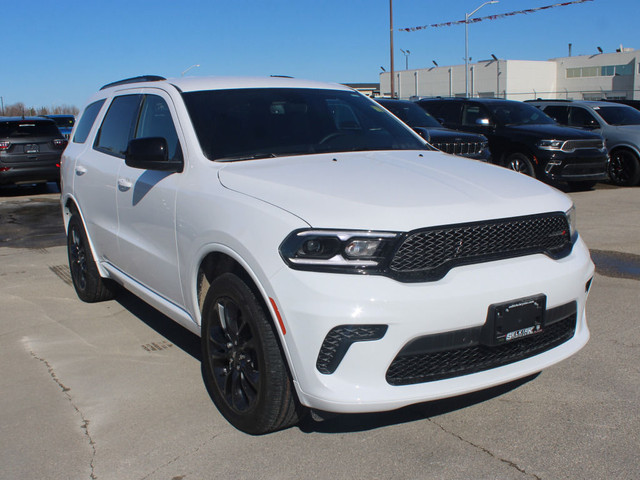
<point x="243" y="124"/>
<point x="518" y="113"/>
<point x="410" y="113"/>
<point x="619" y="115"/>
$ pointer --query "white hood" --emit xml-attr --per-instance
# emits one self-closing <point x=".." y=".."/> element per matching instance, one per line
<point x="398" y="190"/>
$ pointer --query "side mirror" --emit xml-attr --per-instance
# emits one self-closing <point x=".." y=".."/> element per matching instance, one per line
<point x="151" y="153"/>
<point x="423" y="132"/>
<point x="483" y="122"/>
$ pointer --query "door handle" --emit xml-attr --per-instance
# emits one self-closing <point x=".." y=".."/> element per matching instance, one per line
<point x="124" y="184"/>
<point x="80" y="170"/>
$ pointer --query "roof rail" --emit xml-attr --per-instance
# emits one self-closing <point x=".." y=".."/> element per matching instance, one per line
<point x="567" y="100"/>
<point x="141" y="78"/>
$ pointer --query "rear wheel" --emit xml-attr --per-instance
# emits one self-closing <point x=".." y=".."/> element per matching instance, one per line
<point x="242" y="364"/>
<point x="624" y="168"/>
<point x="521" y="163"/>
<point x="89" y="285"/>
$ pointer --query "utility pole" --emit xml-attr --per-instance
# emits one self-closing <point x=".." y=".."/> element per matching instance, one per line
<point x="393" y="85"/>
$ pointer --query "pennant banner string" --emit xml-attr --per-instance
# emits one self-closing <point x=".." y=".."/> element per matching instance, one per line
<point x="493" y="17"/>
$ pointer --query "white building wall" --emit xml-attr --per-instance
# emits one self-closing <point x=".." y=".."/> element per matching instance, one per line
<point x="601" y="86"/>
<point x="528" y="80"/>
<point x="522" y="79"/>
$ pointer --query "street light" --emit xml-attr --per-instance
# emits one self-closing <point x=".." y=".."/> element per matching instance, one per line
<point x="192" y="66"/>
<point x="406" y="58"/>
<point x="467" y="16"/>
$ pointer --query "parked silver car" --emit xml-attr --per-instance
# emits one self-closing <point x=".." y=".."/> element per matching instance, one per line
<point x="618" y="124"/>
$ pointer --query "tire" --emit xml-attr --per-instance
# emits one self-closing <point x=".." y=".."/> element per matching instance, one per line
<point x="242" y="365"/>
<point x="521" y="163"/>
<point x="624" y="168"/>
<point x="89" y="285"/>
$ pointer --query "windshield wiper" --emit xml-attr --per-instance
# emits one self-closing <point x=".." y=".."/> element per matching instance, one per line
<point x="239" y="158"/>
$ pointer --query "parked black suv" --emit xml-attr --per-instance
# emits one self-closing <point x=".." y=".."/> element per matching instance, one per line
<point x="523" y="138"/>
<point x="463" y="144"/>
<point x="30" y="150"/>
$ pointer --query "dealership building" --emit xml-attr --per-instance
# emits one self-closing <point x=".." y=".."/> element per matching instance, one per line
<point x="582" y="77"/>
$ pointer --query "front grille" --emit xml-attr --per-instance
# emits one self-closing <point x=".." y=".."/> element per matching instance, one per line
<point x="429" y="254"/>
<point x="432" y="366"/>
<point x="460" y="148"/>
<point x="571" y="145"/>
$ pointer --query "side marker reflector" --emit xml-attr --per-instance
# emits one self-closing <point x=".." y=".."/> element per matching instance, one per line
<point x="280" y="322"/>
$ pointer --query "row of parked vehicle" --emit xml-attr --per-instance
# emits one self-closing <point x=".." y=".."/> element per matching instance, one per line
<point x="31" y="147"/>
<point x="578" y="142"/>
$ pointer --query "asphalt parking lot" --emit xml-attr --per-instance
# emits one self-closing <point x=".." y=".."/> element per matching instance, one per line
<point x="114" y="390"/>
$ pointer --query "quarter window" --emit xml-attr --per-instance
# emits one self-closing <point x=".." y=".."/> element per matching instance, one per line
<point x="86" y="121"/>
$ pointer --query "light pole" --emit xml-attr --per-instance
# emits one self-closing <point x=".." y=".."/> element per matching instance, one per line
<point x="406" y="58"/>
<point x="393" y="95"/>
<point x="192" y="66"/>
<point x="467" y="16"/>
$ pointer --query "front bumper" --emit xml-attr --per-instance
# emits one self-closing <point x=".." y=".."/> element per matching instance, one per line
<point x="312" y="304"/>
<point x="574" y="167"/>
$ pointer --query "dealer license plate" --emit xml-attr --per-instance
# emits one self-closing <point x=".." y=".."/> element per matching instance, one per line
<point x="514" y="320"/>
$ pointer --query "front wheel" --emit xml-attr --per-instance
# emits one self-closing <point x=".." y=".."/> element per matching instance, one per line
<point x="521" y="163"/>
<point x="242" y="365"/>
<point x="624" y="168"/>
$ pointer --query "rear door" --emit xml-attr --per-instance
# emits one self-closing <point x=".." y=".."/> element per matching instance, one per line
<point x="96" y="175"/>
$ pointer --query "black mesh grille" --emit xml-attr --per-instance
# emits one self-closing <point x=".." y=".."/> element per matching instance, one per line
<point x="571" y="145"/>
<point x="460" y="148"/>
<point x="338" y="341"/>
<point x="430" y="253"/>
<point x="428" y="367"/>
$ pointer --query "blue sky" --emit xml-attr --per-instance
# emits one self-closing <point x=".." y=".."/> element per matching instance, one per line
<point x="60" y="52"/>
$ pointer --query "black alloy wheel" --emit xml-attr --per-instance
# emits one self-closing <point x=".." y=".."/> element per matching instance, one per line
<point x="521" y="163"/>
<point x="242" y="365"/>
<point x="89" y="286"/>
<point x="624" y="168"/>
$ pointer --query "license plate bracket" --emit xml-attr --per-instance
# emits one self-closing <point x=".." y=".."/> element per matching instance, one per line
<point x="513" y="320"/>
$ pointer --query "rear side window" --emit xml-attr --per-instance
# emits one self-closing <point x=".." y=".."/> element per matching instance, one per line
<point x="86" y="122"/>
<point x="28" y="128"/>
<point x="448" y="112"/>
<point x="117" y="126"/>
<point x="559" y="113"/>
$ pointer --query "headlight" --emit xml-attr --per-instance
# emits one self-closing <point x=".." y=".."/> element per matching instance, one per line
<point x="571" y="218"/>
<point x="550" y="144"/>
<point x="337" y="250"/>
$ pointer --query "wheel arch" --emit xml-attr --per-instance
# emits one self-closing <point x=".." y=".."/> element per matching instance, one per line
<point x="220" y="259"/>
<point x="70" y="208"/>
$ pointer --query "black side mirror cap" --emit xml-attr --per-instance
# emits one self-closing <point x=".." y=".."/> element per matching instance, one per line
<point x="151" y="153"/>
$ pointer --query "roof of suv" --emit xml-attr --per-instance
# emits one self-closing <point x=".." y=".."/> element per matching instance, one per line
<point x="588" y="103"/>
<point x="192" y="84"/>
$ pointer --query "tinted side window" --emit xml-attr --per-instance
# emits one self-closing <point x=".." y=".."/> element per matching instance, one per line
<point x="472" y="113"/>
<point x="559" y="113"/>
<point x="581" y="117"/>
<point x="155" y="121"/>
<point x="448" y="112"/>
<point x="86" y="122"/>
<point x="117" y="125"/>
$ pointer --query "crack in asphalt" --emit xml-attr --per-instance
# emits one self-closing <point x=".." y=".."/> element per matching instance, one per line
<point x="180" y="477"/>
<point x="487" y="451"/>
<point x="85" y="421"/>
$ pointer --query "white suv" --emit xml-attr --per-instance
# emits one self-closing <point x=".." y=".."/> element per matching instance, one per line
<point x="327" y="257"/>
